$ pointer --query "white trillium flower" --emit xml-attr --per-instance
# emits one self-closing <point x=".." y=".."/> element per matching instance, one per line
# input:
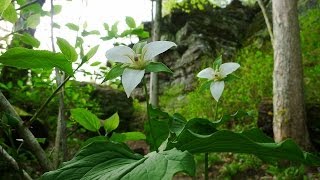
<point x="218" y="75"/>
<point x="136" y="62"/>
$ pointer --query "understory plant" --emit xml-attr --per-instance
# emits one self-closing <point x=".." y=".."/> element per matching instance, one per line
<point x="173" y="139"/>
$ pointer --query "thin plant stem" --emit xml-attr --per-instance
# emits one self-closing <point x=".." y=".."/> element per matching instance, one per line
<point x="60" y="141"/>
<point x="148" y="106"/>
<point x="206" y="155"/>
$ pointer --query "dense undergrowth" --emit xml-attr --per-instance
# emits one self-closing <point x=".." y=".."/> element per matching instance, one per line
<point x="246" y="93"/>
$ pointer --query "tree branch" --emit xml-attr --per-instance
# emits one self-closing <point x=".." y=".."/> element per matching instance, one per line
<point x="13" y="163"/>
<point x="25" y="133"/>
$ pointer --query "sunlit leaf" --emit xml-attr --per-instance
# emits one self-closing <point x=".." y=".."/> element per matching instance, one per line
<point x="95" y="63"/>
<point x="72" y="26"/>
<point x="111" y="123"/>
<point x="10" y="14"/>
<point x="67" y="49"/>
<point x="86" y="119"/>
<point x="90" y="53"/>
<point x="130" y="22"/>
<point x="28" y="58"/>
<point x="4" y="5"/>
<point x="57" y="9"/>
<point x="106" y="160"/>
<point x="33" y="21"/>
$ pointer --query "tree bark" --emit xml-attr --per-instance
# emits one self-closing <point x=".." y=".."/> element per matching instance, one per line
<point x="27" y="136"/>
<point x="289" y="119"/>
<point x="154" y="87"/>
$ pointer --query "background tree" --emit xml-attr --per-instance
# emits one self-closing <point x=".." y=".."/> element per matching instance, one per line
<point x="289" y="120"/>
<point x="155" y="37"/>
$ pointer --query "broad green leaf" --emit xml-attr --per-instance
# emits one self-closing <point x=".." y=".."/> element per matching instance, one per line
<point x="157" y="67"/>
<point x="113" y="161"/>
<point x="127" y="136"/>
<point x="157" y="128"/>
<point x="253" y="142"/>
<point x="95" y="139"/>
<point x="130" y="22"/>
<point x="28" y="58"/>
<point x="90" y="54"/>
<point x="111" y="123"/>
<point x="26" y="38"/>
<point x="72" y="26"/>
<point x="57" y="9"/>
<point x="10" y="14"/>
<point x="33" y="21"/>
<point x="4" y="5"/>
<point x="115" y="72"/>
<point x="67" y="49"/>
<point x="86" y="119"/>
<point x="95" y="63"/>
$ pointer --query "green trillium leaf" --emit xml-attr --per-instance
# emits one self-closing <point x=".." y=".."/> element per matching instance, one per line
<point x="115" y="72"/>
<point x="195" y="140"/>
<point x="106" y="160"/>
<point x="28" y="58"/>
<point x="157" y="67"/>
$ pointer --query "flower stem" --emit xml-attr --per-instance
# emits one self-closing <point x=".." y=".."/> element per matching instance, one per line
<point x="148" y="113"/>
<point x="206" y="155"/>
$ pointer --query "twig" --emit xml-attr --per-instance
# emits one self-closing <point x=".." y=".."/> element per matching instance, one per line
<point x="13" y="163"/>
<point x="25" y="133"/>
<point x="60" y="143"/>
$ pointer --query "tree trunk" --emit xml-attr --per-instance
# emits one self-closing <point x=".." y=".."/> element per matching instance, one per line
<point x="289" y="119"/>
<point x="154" y="101"/>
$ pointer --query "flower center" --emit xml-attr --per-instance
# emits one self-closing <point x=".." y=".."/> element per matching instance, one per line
<point x="217" y="76"/>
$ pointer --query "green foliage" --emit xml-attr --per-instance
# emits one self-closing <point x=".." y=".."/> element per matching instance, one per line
<point x="28" y="40"/>
<point x="186" y="5"/>
<point x="10" y="14"/>
<point x="127" y="136"/>
<point x="157" y="67"/>
<point x="111" y="123"/>
<point x="4" y="5"/>
<point x="27" y="58"/>
<point x="84" y="117"/>
<point x="117" y="161"/>
<point x="67" y="49"/>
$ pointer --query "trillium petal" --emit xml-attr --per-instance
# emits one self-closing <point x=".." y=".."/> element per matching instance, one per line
<point x="228" y="68"/>
<point x="122" y="54"/>
<point x="206" y="73"/>
<point x="216" y="89"/>
<point x="155" y="48"/>
<point x="130" y="79"/>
